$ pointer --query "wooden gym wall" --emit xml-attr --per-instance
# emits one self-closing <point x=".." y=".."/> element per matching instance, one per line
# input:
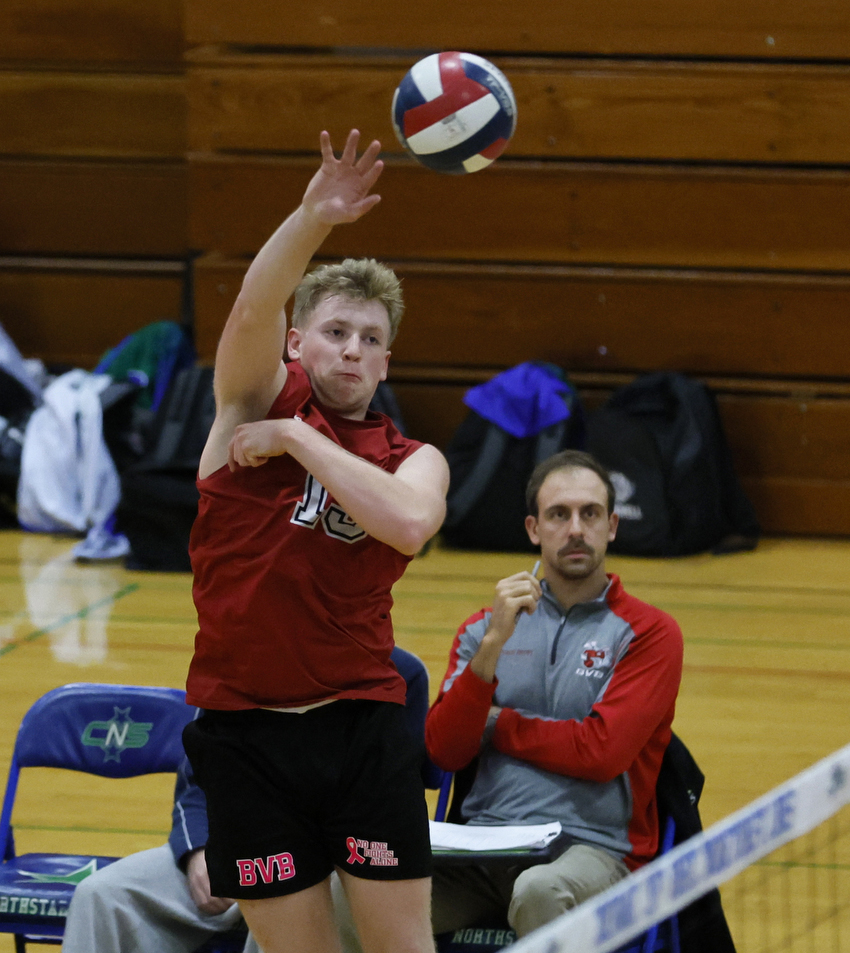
<point x="676" y="196"/>
<point x="93" y="184"/>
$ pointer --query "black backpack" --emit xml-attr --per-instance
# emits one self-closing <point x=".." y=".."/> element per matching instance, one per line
<point x="662" y="440"/>
<point x="490" y="468"/>
<point x="159" y="498"/>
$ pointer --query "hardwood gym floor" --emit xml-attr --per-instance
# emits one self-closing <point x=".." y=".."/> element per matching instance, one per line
<point x="764" y="693"/>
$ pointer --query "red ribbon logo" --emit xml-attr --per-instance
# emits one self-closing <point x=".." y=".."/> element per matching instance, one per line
<point x="353" y="855"/>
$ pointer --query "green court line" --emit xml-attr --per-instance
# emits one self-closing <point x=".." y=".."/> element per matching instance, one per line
<point x="65" y="619"/>
<point x="87" y="830"/>
<point x="802" y="865"/>
<point x="79" y="581"/>
<point x="119" y="618"/>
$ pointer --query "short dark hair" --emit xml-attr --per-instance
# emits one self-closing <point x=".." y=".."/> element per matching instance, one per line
<point x="566" y="460"/>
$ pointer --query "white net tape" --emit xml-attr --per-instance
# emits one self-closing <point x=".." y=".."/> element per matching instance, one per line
<point x="701" y="863"/>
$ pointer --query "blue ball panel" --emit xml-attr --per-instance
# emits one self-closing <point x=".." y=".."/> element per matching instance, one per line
<point x="409" y="96"/>
<point x="489" y="81"/>
<point x="451" y="160"/>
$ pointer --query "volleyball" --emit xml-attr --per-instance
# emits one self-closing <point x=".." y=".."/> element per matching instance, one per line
<point x="454" y="112"/>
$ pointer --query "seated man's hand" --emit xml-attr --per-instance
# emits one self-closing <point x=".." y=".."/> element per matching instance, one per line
<point x="199" y="886"/>
<point x="490" y="727"/>
<point x="514" y="595"/>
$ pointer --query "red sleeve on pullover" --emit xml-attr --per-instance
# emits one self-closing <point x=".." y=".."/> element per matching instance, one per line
<point x="640" y="696"/>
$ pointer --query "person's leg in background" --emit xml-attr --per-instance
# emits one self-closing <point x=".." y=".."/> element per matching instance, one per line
<point x="543" y="893"/>
<point x="138" y="904"/>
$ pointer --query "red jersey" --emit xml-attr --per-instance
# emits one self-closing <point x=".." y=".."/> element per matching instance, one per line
<point x="293" y="597"/>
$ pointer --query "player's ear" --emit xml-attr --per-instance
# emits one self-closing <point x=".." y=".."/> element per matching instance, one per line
<point x="531" y="529"/>
<point x="613" y="523"/>
<point x="293" y="343"/>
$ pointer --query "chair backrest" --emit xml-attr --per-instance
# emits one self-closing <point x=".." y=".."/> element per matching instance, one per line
<point x="116" y="731"/>
<point x="453" y="789"/>
<point x="412" y="669"/>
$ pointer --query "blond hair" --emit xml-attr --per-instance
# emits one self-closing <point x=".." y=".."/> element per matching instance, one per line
<point x="360" y="279"/>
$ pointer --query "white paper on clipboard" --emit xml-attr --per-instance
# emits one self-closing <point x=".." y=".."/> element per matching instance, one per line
<point x="480" y="837"/>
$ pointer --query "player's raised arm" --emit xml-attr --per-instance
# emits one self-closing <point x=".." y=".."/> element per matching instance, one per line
<point x="249" y="371"/>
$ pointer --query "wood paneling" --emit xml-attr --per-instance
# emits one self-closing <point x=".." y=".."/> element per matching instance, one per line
<point x="611" y="320"/>
<point x="85" y="208"/>
<point x="215" y="284"/>
<point x="139" y="32"/>
<point x="599" y="109"/>
<point x="809" y="507"/>
<point x="74" y="317"/>
<point x="677" y="195"/>
<point x="110" y="115"/>
<point x="801" y="443"/>
<point x="749" y="28"/>
<point x="597" y="319"/>
<point x="554" y="212"/>
<point x="802" y="431"/>
<point x="431" y="412"/>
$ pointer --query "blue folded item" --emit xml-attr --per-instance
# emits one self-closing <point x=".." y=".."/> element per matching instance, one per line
<point x="505" y="399"/>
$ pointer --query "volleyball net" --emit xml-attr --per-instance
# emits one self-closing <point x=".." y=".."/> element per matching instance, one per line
<point x="783" y="863"/>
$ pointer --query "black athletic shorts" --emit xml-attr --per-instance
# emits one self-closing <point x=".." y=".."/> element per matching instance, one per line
<point x="291" y="796"/>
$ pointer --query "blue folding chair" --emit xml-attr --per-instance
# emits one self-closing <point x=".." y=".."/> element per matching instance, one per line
<point x="115" y="731"/>
<point x="664" y="935"/>
<point x="493" y="937"/>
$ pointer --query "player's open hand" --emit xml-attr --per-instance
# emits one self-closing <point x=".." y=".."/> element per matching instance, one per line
<point x="340" y="191"/>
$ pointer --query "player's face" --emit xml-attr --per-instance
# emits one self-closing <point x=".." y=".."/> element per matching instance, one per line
<point x="343" y="349"/>
<point x="573" y="527"/>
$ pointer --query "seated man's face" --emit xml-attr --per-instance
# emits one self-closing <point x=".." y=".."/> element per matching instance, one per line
<point x="573" y="527"/>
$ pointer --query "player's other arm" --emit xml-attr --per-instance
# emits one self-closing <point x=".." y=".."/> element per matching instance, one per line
<point x="402" y="509"/>
<point x="249" y="369"/>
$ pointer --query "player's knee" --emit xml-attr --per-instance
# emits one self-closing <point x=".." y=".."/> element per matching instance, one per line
<point x="86" y="897"/>
<point x="95" y="892"/>
<point x="537" y="899"/>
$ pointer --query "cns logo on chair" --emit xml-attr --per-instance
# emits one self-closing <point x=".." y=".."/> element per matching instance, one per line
<point x="117" y="734"/>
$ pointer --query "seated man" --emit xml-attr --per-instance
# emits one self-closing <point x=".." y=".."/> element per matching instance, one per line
<point x="159" y="899"/>
<point x="565" y="690"/>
